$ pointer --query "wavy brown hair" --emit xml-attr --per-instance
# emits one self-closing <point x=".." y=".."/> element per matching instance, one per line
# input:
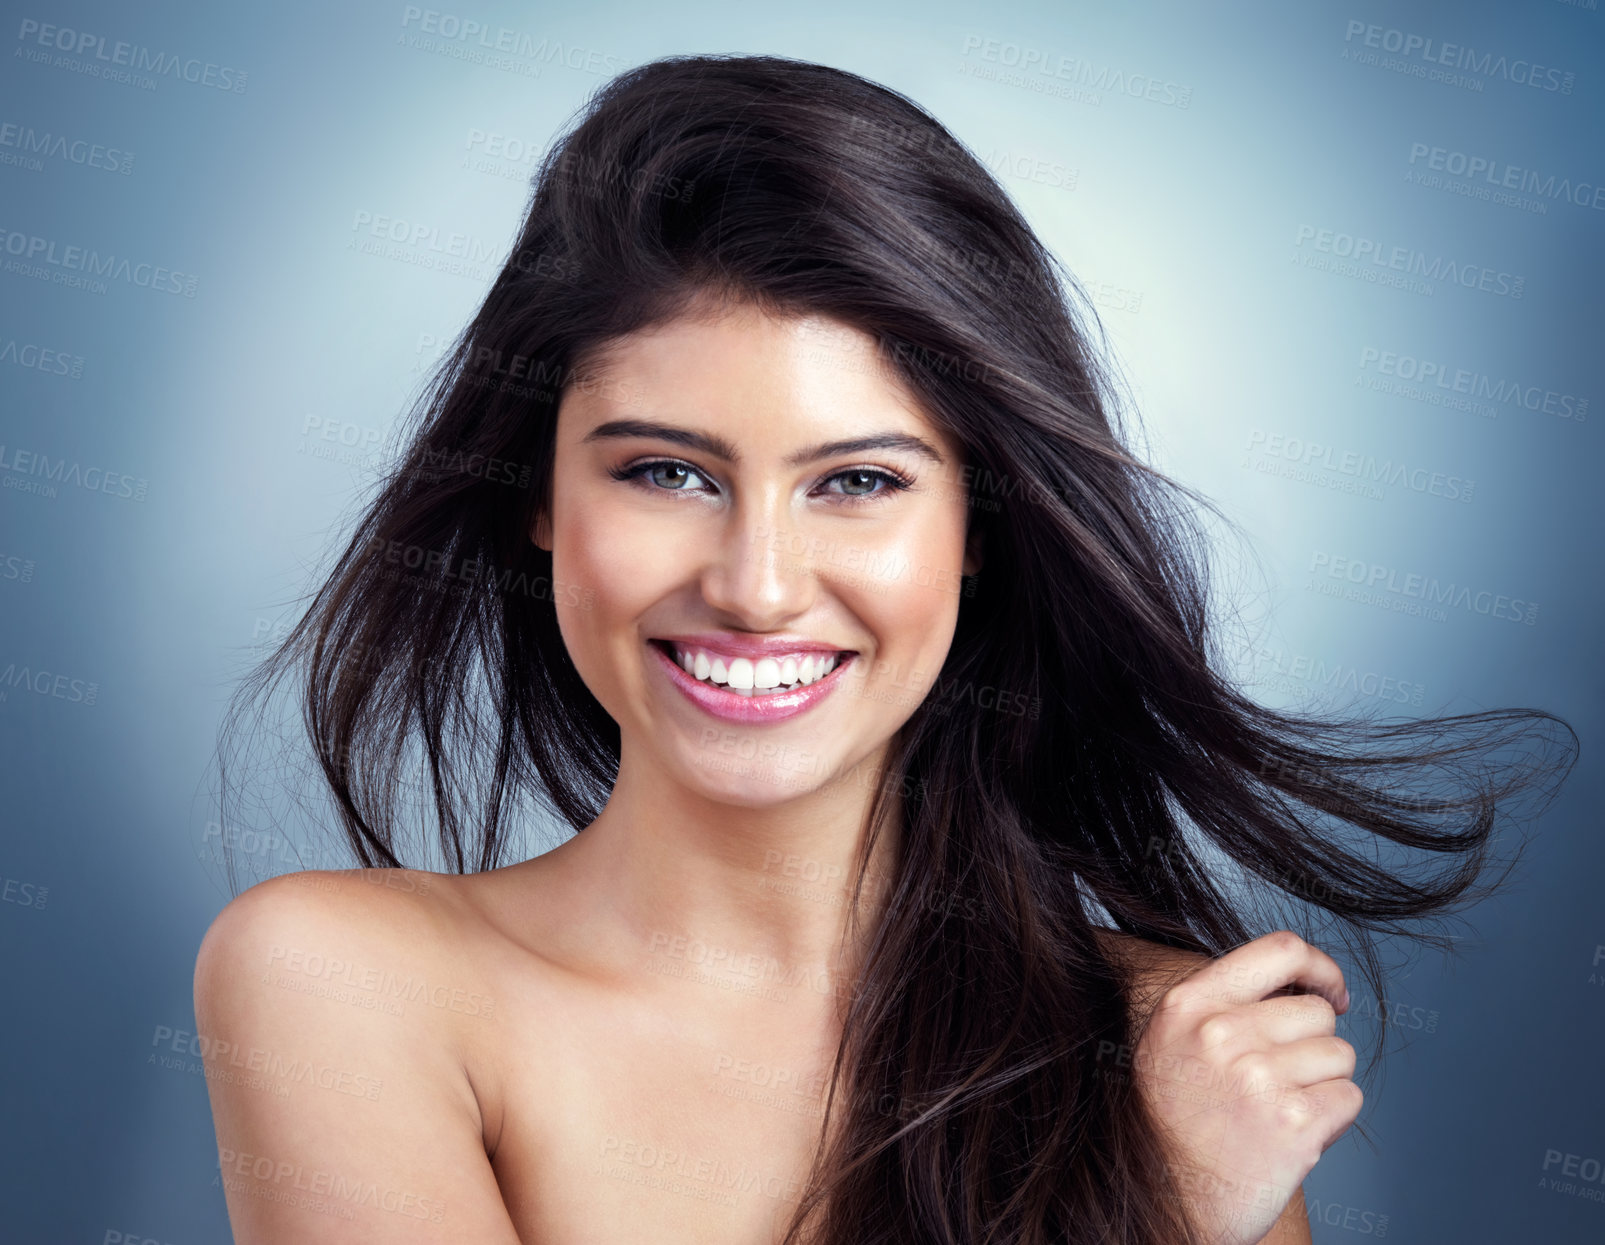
<point x="1145" y="792"/>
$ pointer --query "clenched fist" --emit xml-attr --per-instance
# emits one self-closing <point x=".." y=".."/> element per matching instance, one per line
<point x="1251" y="1086"/>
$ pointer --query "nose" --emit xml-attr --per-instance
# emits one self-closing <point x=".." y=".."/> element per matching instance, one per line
<point x="761" y="575"/>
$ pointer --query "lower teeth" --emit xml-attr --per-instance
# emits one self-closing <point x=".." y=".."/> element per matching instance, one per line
<point x="758" y="691"/>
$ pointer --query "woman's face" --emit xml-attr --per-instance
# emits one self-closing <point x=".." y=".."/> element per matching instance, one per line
<point x="706" y="511"/>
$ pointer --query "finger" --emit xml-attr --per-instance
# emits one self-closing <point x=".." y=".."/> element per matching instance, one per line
<point x="1284" y="1076"/>
<point x="1273" y="962"/>
<point x="1341" y="1101"/>
<point x="1230" y="1031"/>
<point x="1291" y="1017"/>
<point x="1298" y="1066"/>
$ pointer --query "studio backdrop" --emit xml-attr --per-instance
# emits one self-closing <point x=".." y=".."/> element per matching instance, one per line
<point x="1348" y="260"/>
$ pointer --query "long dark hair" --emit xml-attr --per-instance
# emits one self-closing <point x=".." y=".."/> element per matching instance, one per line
<point x="1143" y="791"/>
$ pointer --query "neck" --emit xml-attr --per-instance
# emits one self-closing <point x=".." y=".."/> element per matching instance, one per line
<point x="755" y="902"/>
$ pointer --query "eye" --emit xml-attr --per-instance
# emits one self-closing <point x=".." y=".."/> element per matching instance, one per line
<point x="869" y="475"/>
<point x="668" y="475"/>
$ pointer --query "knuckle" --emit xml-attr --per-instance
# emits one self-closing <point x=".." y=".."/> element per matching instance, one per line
<point x="1173" y="996"/>
<point x="1217" y="1030"/>
<point x="1291" y="1116"/>
<point x="1253" y="1068"/>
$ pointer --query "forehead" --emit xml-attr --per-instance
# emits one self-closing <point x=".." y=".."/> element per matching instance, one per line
<point x="752" y="370"/>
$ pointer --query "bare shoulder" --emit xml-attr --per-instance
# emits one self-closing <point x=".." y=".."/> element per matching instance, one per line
<point x="338" y="934"/>
<point x="334" y="1009"/>
<point x="353" y="904"/>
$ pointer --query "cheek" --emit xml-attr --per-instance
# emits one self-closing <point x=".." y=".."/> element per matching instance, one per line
<point x="618" y="567"/>
<point x="915" y="609"/>
<point x="922" y="613"/>
<point x="608" y="549"/>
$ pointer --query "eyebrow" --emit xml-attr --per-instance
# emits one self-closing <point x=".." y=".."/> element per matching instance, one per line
<point x="717" y="446"/>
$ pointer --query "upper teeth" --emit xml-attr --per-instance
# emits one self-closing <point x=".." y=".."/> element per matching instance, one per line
<point x="745" y="676"/>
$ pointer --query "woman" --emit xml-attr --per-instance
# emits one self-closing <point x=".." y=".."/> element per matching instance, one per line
<point x="770" y="525"/>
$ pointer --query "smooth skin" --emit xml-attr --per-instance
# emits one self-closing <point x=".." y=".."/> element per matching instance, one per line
<point x="627" y="1038"/>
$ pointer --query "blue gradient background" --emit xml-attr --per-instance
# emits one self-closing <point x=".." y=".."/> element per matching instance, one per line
<point x="1185" y="220"/>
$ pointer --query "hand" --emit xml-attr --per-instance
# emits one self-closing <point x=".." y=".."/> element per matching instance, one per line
<point x="1249" y="1090"/>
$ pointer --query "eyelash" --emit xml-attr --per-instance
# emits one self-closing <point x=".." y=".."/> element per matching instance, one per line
<point x="894" y="482"/>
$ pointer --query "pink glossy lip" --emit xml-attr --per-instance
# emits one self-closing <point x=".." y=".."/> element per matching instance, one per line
<point x="749" y="710"/>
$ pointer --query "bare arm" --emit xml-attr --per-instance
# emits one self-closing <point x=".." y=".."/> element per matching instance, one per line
<point x="343" y="1107"/>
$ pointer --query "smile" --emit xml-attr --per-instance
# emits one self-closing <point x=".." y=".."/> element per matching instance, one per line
<point x="741" y="689"/>
<point x="764" y="677"/>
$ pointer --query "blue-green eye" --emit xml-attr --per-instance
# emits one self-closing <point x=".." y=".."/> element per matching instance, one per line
<point x="670" y="475"/>
<point x="673" y="475"/>
<point x="893" y="483"/>
<point x="667" y="475"/>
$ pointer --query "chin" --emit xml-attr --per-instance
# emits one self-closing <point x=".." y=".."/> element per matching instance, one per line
<point x="749" y="783"/>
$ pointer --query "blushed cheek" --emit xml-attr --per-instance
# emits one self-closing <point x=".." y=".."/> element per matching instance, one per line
<point x="936" y="610"/>
<point x="913" y="613"/>
<point x="629" y="565"/>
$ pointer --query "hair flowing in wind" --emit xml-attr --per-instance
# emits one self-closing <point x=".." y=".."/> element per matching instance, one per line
<point x="977" y="1103"/>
